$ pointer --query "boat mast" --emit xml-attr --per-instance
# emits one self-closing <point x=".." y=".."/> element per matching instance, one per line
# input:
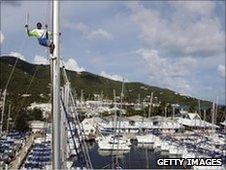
<point x="199" y="108"/>
<point x="81" y="98"/>
<point x="56" y="135"/>
<point x="114" y="96"/>
<point x="3" y="110"/>
<point x="204" y="118"/>
<point x="199" y="112"/>
<point x="216" y="110"/>
<point x="213" y="114"/>
<point x="149" y="110"/>
<point x="122" y="93"/>
<point x="8" y="119"/>
<point x="165" y="111"/>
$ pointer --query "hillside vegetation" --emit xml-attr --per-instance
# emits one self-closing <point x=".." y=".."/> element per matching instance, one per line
<point x="38" y="90"/>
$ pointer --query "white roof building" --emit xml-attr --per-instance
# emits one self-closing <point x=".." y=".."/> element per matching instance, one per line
<point x="44" y="107"/>
<point x="138" y="122"/>
<point x="194" y="120"/>
<point x="37" y="126"/>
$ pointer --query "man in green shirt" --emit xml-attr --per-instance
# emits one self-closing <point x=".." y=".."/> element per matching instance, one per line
<point x="42" y="35"/>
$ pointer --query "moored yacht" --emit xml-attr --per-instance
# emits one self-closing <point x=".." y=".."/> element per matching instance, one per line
<point x="146" y="139"/>
<point x="114" y="142"/>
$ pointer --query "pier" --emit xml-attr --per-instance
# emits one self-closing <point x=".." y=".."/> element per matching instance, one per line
<point x="17" y="163"/>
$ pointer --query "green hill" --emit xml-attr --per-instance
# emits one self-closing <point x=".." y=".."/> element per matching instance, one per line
<point x="88" y="82"/>
<point x="31" y="83"/>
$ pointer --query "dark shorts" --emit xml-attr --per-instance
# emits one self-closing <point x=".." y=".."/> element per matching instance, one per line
<point x="44" y="41"/>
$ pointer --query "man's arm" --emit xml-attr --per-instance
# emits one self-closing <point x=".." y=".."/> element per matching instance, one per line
<point x="32" y="33"/>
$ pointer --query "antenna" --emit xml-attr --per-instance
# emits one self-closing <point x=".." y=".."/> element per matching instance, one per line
<point x="27" y="18"/>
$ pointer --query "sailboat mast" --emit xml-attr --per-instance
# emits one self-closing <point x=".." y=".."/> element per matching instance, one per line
<point x="3" y="110"/>
<point x="114" y="98"/>
<point x="56" y="89"/>
<point x="8" y="119"/>
<point x="122" y="93"/>
<point x="149" y="110"/>
<point x="213" y="114"/>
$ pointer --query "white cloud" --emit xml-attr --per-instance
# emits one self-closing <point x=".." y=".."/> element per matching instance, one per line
<point x="192" y="29"/>
<point x="194" y="7"/>
<point x="40" y="60"/>
<point x="99" y="33"/>
<point x="71" y="64"/>
<point x="168" y="72"/>
<point x="113" y="76"/>
<point x="1" y="37"/>
<point x="88" y="33"/>
<point x="18" y="55"/>
<point x="221" y="70"/>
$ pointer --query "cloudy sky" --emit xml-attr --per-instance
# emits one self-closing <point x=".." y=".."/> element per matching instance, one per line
<point x="170" y="44"/>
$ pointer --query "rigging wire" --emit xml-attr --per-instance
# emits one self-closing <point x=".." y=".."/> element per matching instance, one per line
<point x="23" y="99"/>
<point x="80" y="129"/>
<point x="8" y="82"/>
<point x="14" y="66"/>
<point x="11" y="74"/>
<point x="70" y="128"/>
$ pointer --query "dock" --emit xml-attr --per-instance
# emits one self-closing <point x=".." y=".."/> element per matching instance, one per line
<point x="17" y="163"/>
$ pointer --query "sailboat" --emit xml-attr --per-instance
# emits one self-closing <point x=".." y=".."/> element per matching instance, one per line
<point x="114" y="142"/>
<point x="148" y="138"/>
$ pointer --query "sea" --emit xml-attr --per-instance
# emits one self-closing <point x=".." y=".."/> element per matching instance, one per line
<point x="139" y="157"/>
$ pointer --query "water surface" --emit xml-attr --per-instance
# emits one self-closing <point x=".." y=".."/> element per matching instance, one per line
<point x="136" y="158"/>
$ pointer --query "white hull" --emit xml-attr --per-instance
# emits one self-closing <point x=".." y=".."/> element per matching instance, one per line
<point x="107" y="146"/>
<point x="111" y="143"/>
<point x="146" y="139"/>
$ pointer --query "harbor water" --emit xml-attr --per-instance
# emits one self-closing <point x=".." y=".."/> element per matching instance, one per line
<point x="139" y="157"/>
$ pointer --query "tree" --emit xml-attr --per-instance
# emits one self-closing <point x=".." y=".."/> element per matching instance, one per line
<point x="35" y="114"/>
<point x="21" y="122"/>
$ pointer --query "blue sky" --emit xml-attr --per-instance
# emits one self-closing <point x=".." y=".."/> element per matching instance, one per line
<point x="178" y="45"/>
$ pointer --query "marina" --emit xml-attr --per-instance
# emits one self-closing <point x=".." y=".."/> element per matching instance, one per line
<point x="60" y="118"/>
<point x="127" y="145"/>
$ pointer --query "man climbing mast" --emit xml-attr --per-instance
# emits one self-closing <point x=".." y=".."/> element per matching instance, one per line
<point x="42" y="35"/>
